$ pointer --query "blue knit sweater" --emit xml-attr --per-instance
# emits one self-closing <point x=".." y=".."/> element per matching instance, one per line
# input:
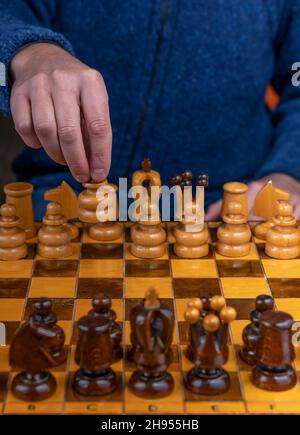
<point x="186" y="81"/>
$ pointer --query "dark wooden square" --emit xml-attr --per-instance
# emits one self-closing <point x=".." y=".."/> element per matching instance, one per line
<point x="13" y="287"/>
<point x="55" y="268"/>
<point x="261" y="250"/>
<point x="239" y="268"/>
<point x="98" y="251"/>
<point x="285" y="287"/>
<point x="32" y="249"/>
<point x="243" y="307"/>
<point x="89" y="287"/>
<point x="147" y="268"/>
<point x="127" y="235"/>
<point x="183" y="329"/>
<point x="213" y="234"/>
<point x="196" y="287"/>
<point x="63" y="308"/>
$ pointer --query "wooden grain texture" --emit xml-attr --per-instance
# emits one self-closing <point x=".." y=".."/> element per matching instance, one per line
<point x="111" y="269"/>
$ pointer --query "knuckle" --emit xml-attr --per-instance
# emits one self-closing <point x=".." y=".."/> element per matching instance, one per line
<point x="40" y="79"/>
<point x="98" y="127"/>
<point x="67" y="133"/>
<point x="92" y="74"/>
<point x="43" y="128"/>
<point x="23" y="128"/>
<point x="60" y="75"/>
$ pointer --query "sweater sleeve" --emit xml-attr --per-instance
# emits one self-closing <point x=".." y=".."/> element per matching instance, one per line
<point x="23" y="22"/>
<point x="285" y="153"/>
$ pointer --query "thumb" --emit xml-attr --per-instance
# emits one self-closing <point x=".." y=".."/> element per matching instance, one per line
<point x="213" y="211"/>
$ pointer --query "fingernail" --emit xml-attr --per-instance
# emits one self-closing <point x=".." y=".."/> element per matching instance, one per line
<point x="99" y="174"/>
<point x="82" y="178"/>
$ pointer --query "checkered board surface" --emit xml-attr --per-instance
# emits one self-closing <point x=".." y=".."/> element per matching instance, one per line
<point x="110" y="267"/>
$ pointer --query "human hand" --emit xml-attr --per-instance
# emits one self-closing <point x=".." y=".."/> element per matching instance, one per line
<point x="61" y="105"/>
<point x="282" y="181"/>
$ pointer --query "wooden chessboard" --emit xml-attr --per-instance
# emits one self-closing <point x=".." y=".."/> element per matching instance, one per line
<point x="110" y="267"/>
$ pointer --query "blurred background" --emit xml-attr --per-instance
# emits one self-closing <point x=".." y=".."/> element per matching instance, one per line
<point x="11" y="144"/>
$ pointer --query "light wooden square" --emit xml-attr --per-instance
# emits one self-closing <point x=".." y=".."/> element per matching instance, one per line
<point x="11" y="309"/>
<point x="16" y="269"/>
<point x="137" y="287"/>
<point x="201" y="268"/>
<point x="62" y="287"/>
<point x="101" y="269"/>
<point x="281" y="268"/>
<point x="244" y="287"/>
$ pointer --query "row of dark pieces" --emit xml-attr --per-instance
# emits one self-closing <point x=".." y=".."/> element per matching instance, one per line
<point x="39" y="345"/>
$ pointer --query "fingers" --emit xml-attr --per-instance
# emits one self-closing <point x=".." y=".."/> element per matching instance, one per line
<point x="64" y="109"/>
<point x="44" y="122"/>
<point x="21" y="113"/>
<point x="297" y="212"/>
<point x="253" y="189"/>
<point x="94" y="104"/>
<point x="213" y="212"/>
<point x="67" y="113"/>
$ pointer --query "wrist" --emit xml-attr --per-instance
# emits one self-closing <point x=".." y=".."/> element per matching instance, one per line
<point x="32" y="51"/>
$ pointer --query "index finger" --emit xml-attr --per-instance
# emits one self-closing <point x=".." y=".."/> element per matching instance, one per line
<point x="95" y="109"/>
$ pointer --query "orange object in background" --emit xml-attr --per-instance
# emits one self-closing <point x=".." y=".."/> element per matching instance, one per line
<point x="271" y="97"/>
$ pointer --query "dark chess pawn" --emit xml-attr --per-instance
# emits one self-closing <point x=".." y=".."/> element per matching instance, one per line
<point x="95" y="351"/>
<point x="152" y="327"/>
<point x="102" y="307"/>
<point x="37" y="346"/>
<point x="251" y="331"/>
<point x="208" y="348"/>
<point x="274" y="353"/>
